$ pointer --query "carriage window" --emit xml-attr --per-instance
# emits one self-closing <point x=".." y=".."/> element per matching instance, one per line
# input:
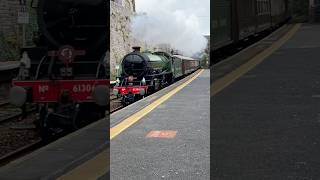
<point x="263" y="7"/>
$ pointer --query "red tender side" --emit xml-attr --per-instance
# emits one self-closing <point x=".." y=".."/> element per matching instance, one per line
<point x="132" y="89"/>
<point x="50" y="90"/>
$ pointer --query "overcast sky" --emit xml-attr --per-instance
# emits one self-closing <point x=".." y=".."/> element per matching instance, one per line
<point x="198" y="10"/>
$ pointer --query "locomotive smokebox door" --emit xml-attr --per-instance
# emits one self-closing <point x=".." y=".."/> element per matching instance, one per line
<point x="67" y="54"/>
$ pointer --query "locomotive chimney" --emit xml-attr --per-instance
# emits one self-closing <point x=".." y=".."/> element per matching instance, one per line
<point x="136" y="48"/>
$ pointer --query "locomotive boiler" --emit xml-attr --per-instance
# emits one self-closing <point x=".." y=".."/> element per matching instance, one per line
<point x="143" y="73"/>
<point x="66" y="74"/>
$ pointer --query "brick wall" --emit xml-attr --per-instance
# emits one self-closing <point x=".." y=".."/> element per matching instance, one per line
<point x="8" y="29"/>
<point x="11" y="32"/>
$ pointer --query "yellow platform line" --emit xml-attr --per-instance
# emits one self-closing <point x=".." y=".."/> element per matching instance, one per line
<point x="225" y="81"/>
<point x="90" y="170"/>
<point x="116" y="130"/>
<point x="99" y="165"/>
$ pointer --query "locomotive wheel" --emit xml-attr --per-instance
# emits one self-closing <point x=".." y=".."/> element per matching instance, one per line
<point x="87" y="113"/>
<point x="156" y="84"/>
<point x="123" y="102"/>
<point x="164" y="82"/>
<point x="76" y="121"/>
<point x="170" y="79"/>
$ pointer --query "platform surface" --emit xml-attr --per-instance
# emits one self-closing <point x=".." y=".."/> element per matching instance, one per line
<point x="266" y="125"/>
<point x="184" y="155"/>
<point x="8" y="65"/>
<point x="60" y="157"/>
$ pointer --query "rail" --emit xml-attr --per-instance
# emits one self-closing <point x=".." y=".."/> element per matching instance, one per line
<point x="7" y="158"/>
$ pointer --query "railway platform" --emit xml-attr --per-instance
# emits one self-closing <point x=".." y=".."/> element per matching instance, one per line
<point x="85" y="151"/>
<point x="8" y="65"/>
<point x="165" y="136"/>
<point x="8" y="70"/>
<point x="182" y="151"/>
<point x="266" y="113"/>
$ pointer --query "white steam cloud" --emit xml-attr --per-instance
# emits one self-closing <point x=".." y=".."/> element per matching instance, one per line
<point x="171" y="22"/>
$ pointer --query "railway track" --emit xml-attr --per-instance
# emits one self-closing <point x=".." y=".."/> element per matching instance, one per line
<point x="115" y="104"/>
<point x="9" y="112"/>
<point x="18" y="137"/>
<point x="4" y="103"/>
<point x="22" y="151"/>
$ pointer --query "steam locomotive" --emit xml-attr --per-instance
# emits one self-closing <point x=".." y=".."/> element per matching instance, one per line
<point x="66" y="74"/>
<point x="143" y="73"/>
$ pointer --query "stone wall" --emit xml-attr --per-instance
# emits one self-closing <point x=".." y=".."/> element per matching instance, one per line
<point x="11" y="31"/>
<point x="8" y="29"/>
<point x="121" y="40"/>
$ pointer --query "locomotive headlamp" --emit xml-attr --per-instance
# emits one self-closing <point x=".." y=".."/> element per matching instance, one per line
<point x="101" y="95"/>
<point x="18" y="96"/>
<point x="143" y="81"/>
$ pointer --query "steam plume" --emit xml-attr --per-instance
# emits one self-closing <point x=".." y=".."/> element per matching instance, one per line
<point x="161" y="23"/>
